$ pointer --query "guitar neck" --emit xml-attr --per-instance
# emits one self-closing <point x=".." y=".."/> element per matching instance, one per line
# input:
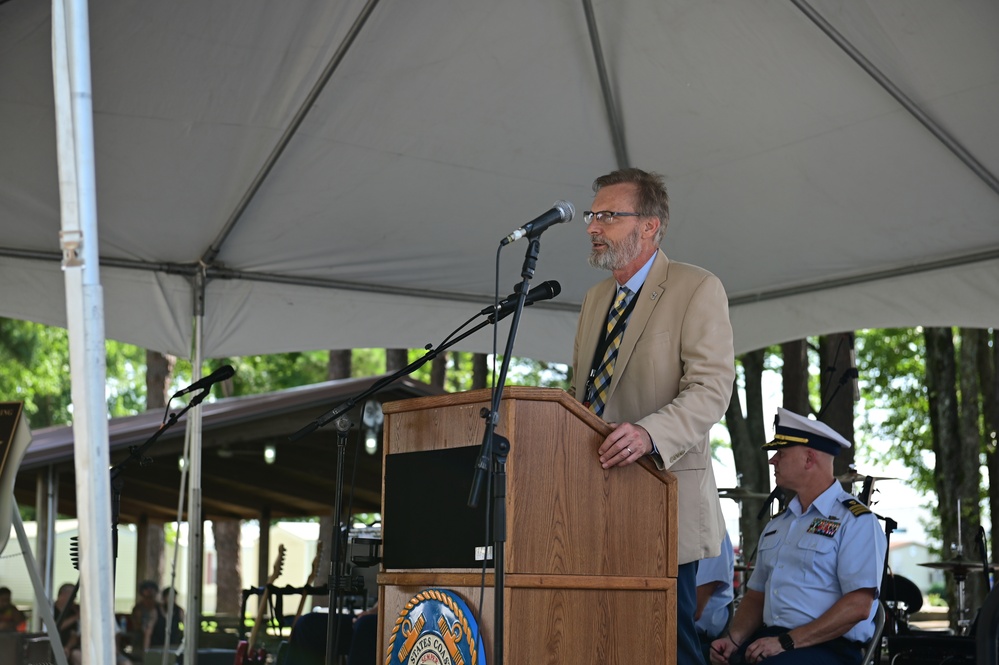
<point x="309" y="580"/>
<point x="260" y="615"/>
<point x="301" y="607"/>
<point x="278" y="564"/>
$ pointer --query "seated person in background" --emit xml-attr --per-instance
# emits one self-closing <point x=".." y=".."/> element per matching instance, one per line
<point x="10" y="616"/>
<point x="68" y="623"/>
<point x="364" y="641"/>
<point x="715" y="577"/>
<point x="176" y="633"/>
<point x="67" y="618"/>
<point x="149" y="617"/>
<point x="819" y="563"/>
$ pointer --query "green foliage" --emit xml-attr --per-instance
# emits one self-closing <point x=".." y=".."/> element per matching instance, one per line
<point x="894" y="405"/>
<point x="527" y="372"/>
<point x="126" y="378"/>
<point x="368" y="362"/>
<point x="35" y="370"/>
<point x="265" y="373"/>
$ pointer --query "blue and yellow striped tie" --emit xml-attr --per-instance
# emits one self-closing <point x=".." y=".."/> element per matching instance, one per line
<point x="601" y="383"/>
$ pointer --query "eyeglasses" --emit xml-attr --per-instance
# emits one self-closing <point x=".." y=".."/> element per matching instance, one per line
<point x="607" y="216"/>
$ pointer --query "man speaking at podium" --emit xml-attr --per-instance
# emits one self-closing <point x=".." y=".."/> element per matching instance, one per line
<point x="653" y="356"/>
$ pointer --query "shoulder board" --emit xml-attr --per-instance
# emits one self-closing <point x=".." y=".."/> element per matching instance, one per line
<point x="856" y="507"/>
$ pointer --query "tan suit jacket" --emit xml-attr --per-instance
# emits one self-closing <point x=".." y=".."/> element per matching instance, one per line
<point x="673" y="376"/>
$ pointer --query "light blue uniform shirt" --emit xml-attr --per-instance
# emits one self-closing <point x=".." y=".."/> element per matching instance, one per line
<point x="714" y="617"/>
<point x="808" y="561"/>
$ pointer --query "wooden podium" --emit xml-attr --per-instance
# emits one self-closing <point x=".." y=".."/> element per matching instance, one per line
<point x="591" y="555"/>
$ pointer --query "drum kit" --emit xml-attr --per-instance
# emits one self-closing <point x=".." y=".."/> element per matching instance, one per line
<point x="907" y="646"/>
<point x="959" y="567"/>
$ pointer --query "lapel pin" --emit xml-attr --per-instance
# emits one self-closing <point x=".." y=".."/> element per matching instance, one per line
<point x="655" y="294"/>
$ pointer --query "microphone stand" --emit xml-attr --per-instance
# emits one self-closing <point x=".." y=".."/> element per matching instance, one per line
<point x="337" y="413"/>
<point x="496" y="448"/>
<point x="137" y="453"/>
<point x="343" y="426"/>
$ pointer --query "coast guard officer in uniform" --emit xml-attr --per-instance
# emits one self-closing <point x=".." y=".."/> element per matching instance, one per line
<point x="819" y="564"/>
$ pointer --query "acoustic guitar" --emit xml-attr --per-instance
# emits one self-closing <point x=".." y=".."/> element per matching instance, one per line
<point x="308" y="581"/>
<point x="245" y="652"/>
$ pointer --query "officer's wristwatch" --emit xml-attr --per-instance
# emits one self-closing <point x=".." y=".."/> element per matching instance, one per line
<point x="786" y="643"/>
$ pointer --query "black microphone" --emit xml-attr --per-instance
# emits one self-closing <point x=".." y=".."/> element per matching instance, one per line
<point x="543" y="291"/>
<point x="221" y="374"/>
<point x="562" y="211"/>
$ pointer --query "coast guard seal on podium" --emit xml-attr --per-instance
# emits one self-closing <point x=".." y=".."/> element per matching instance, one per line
<point x="435" y="628"/>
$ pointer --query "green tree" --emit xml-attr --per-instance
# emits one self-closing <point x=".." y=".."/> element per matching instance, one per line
<point x="930" y="392"/>
<point x="894" y="407"/>
<point x="35" y="362"/>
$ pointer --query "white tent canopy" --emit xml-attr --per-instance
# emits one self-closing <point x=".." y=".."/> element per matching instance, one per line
<point x="343" y="172"/>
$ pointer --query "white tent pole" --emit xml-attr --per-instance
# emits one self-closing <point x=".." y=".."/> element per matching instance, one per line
<point x="85" y="317"/>
<point x="42" y="603"/>
<point x="195" y="526"/>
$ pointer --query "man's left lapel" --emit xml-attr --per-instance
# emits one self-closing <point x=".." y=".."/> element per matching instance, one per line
<point x="648" y="299"/>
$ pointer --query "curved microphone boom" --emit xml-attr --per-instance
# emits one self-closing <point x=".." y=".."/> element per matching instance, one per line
<point x="562" y="211"/>
<point x="221" y="374"/>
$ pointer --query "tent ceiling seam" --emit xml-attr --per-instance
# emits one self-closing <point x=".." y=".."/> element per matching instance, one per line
<point x="863" y="278"/>
<point x="613" y="112"/>
<point x="191" y="270"/>
<point x="907" y="103"/>
<point x="289" y="133"/>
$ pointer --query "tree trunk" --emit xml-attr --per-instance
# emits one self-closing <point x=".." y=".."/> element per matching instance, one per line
<point x="948" y="475"/>
<point x="750" y="462"/>
<point x="837" y="386"/>
<point x="159" y="371"/>
<point x="150" y="550"/>
<point x="438" y="370"/>
<point x="152" y="562"/>
<point x="988" y="378"/>
<point x="339" y="364"/>
<point x="794" y="377"/>
<point x="480" y="371"/>
<point x="228" y="567"/>
<point x="396" y="359"/>
<point x="969" y="458"/>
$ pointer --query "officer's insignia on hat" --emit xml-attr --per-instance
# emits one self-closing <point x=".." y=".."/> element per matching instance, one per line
<point x="790" y="429"/>
<point x="435" y="627"/>
<point x="856" y="507"/>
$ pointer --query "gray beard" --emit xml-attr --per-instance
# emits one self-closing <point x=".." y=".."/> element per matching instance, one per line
<point x="617" y="256"/>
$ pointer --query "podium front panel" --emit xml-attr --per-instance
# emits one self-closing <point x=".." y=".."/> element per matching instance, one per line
<point x="427" y="521"/>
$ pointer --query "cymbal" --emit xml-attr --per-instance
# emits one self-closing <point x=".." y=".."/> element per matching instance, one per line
<point x="739" y="494"/>
<point x="854" y="477"/>
<point x="958" y="565"/>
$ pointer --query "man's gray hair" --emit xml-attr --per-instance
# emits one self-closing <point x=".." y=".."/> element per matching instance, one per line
<point x="652" y="199"/>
